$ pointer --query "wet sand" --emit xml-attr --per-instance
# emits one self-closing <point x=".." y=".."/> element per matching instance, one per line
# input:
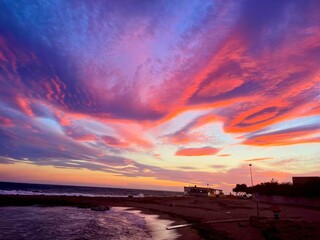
<point x="212" y="218"/>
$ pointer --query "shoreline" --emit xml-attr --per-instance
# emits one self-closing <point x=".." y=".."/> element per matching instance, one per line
<point x="183" y="233"/>
<point x="156" y="224"/>
<point x="213" y="218"/>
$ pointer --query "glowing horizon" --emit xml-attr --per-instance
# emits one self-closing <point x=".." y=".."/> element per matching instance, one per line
<point x="159" y="94"/>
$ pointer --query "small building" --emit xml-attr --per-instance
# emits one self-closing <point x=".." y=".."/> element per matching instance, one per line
<point x="202" y="191"/>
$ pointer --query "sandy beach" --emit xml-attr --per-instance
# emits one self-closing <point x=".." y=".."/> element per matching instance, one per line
<point x="210" y="218"/>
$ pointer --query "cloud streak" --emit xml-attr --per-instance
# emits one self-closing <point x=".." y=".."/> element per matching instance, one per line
<point x="197" y="151"/>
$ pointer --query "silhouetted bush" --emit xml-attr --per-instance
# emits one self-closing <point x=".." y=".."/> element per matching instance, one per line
<point x="309" y="189"/>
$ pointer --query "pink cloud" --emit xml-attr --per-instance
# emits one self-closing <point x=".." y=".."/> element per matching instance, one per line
<point x="112" y="141"/>
<point x="24" y="104"/>
<point x="6" y="121"/>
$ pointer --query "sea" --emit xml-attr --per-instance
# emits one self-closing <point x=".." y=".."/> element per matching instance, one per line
<point x="36" y="222"/>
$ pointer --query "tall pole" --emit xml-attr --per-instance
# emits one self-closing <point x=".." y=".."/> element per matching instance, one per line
<point x="251" y="175"/>
<point x="256" y="194"/>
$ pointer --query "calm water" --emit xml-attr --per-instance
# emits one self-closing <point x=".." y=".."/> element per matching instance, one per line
<point x="34" y="222"/>
<point x="46" y="189"/>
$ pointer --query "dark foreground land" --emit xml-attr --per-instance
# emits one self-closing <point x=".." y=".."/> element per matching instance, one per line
<point x="212" y="218"/>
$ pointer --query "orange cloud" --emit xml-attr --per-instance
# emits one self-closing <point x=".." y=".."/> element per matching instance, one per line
<point x="197" y="151"/>
<point x="285" y="137"/>
<point x="206" y="119"/>
<point x="260" y="117"/>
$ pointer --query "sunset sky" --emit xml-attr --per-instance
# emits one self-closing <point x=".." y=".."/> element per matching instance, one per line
<point x="159" y="94"/>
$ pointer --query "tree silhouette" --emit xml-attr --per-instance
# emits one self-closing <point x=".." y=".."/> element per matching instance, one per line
<point x="240" y="189"/>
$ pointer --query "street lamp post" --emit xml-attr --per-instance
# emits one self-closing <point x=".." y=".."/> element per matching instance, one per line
<point x="250" y="165"/>
<point x="256" y="194"/>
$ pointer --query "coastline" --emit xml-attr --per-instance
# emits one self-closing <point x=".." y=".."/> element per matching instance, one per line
<point x="205" y="213"/>
<point x="157" y="222"/>
<point x="182" y="233"/>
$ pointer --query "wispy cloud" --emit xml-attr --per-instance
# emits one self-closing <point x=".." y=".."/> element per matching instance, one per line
<point x="258" y="159"/>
